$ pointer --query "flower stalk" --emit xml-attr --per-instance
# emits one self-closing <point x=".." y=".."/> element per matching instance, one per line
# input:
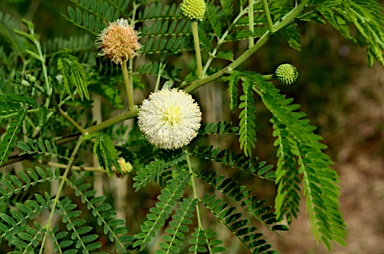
<point x="128" y="86"/>
<point x="196" y="42"/>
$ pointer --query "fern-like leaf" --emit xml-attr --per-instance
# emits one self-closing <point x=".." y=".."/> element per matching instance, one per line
<point x="15" y="224"/>
<point x="106" y="153"/>
<point x="84" y="241"/>
<point x="11" y="184"/>
<point x="162" y="210"/>
<point x="287" y="176"/>
<point x="222" y="128"/>
<point x="240" y="195"/>
<point x="73" y="73"/>
<point x="248" y="235"/>
<point x="235" y="160"/>
<point x="247" y="124"/>
<point x="174" y="240"/>
<point x="233" y="90"/>
<point x="46" y="148"/>
<point x="103" y="212"/>
<point x="153" y="169"/>
<point x="320" y="181"/>
<point x="203" y="241"/>
<point x="10" y="137"/>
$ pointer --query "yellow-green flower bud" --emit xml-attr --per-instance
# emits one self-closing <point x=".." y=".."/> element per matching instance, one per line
<point x="286" y="74"/>
<point x="193" y="9"/>
<point x="126" y="167"/>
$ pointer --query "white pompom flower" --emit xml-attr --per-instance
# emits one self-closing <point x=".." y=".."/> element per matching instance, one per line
<point x="170" y="119"/>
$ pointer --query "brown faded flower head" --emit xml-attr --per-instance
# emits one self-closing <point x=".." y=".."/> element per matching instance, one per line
<point x="119" y="41"/>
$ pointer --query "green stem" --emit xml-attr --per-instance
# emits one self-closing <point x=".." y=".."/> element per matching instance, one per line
<point x="59" y="190"/>
<point x="105" y="124"/>
<point x="70" y="119"/>
<point x="194" y="191"/>
<point x="290" y="16"/>
<point x="251" y="23"/>
<point x="198" y="83"/>
<point x="161" y="69"/>
<point x="268" y="15"/>
<point x="222" y="39"/>
<point x="196" y="42"/>
<point x="128" y="86"/>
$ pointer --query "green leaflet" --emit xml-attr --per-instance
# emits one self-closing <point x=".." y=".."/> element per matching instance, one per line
<point x="287" y="202"/>
<point x="233" y="221"/>
<point x="162" y="210"/>
<point x="11" y="136"/>
<point x="247" y="123"/>
<point x="103" y="212"/>
<point x="11" y="185"/>
<point x="233" y="90"/>
<point x="106" y="153"/>
<point x="236" y="160"/>
<point x="204" y="239"/>
<point x="153" y="169"/>
<point x="73" y="73"/>
<point x="176" y="231"/>
<point x="223" y="128"/>
<point x="84" y="241"/>
<point x="14" y="227"/>
<point x="241" y="195"/>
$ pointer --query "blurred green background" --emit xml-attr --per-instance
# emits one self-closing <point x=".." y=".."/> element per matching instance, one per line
<point x="338" y="92"/>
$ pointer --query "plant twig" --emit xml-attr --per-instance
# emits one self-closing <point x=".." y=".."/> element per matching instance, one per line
<point x="251" y="23"/>
<point x="268" y="15"/>
<point x="70" y="119"/>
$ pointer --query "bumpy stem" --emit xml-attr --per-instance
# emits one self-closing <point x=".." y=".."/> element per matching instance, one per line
<point x="196" y="41"/>
<point x="60" y="189"/>
<point x="128" y="86"/>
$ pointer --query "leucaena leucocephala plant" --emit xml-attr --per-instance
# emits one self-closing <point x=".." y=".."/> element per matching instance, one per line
<point x="144" y="60"/>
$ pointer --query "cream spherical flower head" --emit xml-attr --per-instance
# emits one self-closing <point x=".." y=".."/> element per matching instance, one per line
<point x="119" y="41"/>
<point x="193" y="9"/>
<point x="169" y="119"/>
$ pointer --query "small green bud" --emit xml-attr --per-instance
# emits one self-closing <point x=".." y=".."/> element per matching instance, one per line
<point x="286" y="73"/>
<point x="193" y="9"/>
<point x="32" y="79"/>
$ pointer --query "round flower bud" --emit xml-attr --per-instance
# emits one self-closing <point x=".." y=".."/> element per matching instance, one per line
<point x="193" y="9"/>
<point x="286" y="74"/>
<point x="169" y="119"/>
<point x="119" y="41"/>
<point x="32" y="79"/>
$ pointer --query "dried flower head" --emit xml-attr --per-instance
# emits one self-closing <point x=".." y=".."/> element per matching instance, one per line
<point x="193" y="9"/>
<point x="119" y="41"/>
<point x="169" y="119"/>
<point x="286" y="73"/>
